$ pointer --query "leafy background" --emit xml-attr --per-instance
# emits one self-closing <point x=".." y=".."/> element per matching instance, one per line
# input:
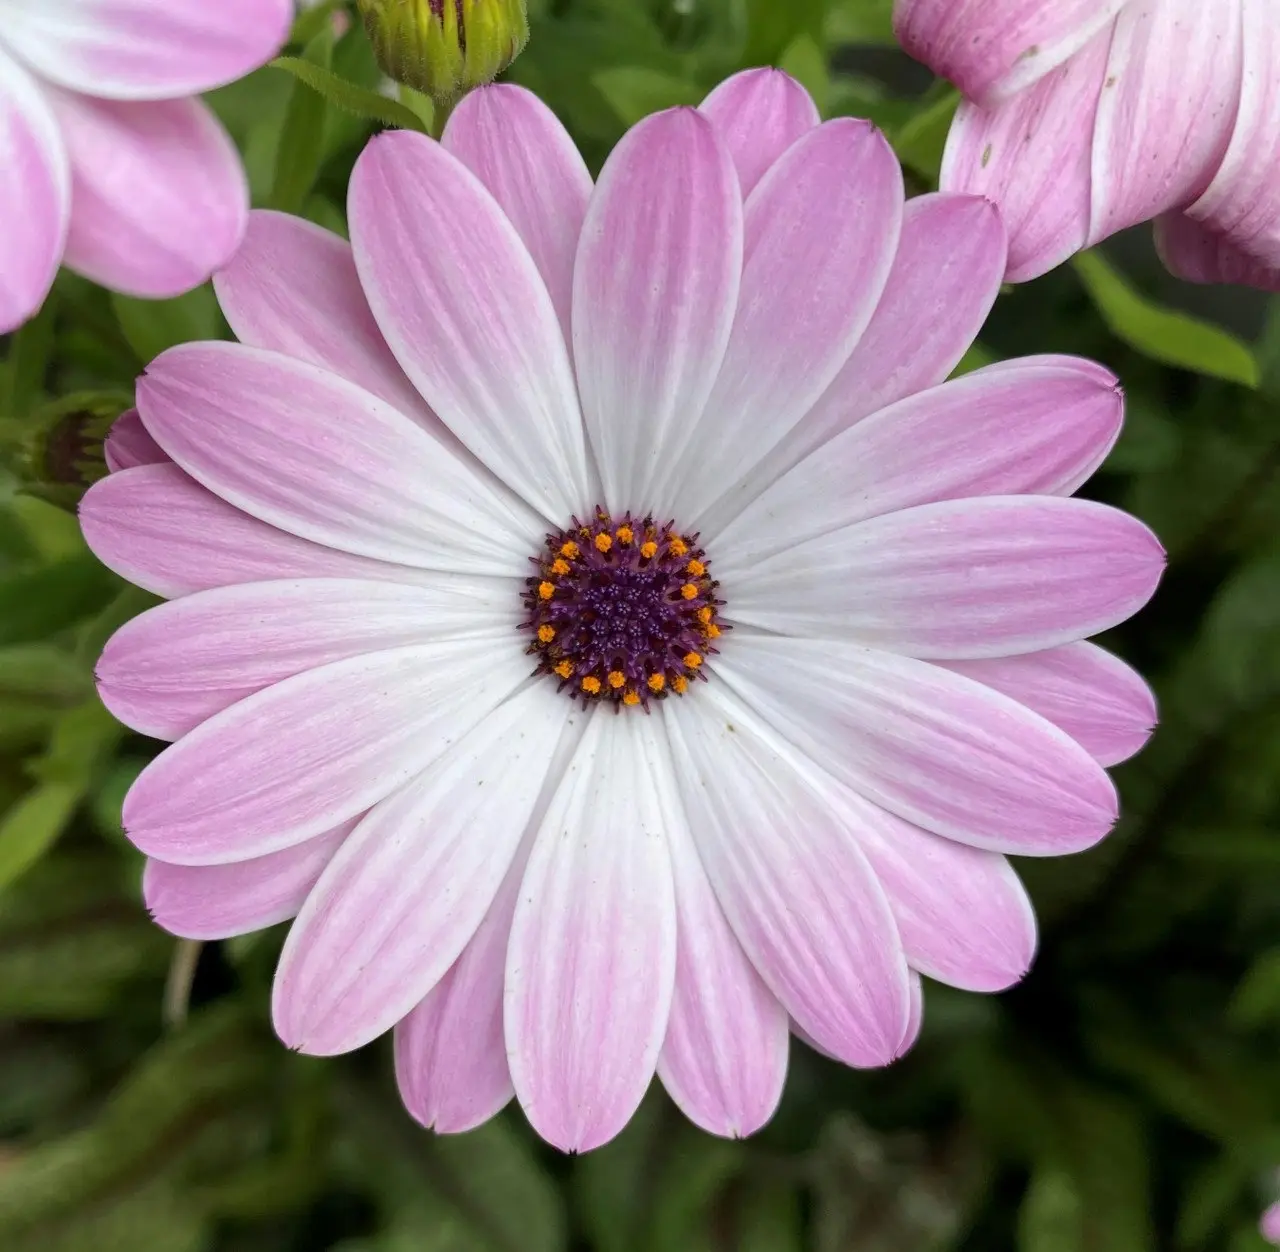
<point x="1125" y="1098"/>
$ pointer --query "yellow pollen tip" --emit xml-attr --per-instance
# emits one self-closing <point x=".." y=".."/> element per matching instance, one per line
<point x="625" y="534"/>
<point x="564" y="669"/>
<point x="616" y="678"/>
<point x="688" y="591"/>
<point x="560" y="567"/>
<point x="705" y="614"/>
<point x="649" y="550"/>
<point x="696" y="568"/>
<point x="681" y="684"/>
<point x="677" y="546"/>
<point x="604" y="543"/>
<point x="632" y="697"/>
<point x="546" y="591"/>
<point x="656" y="682"/>
<point x="569" y="550"/>
<point x="546" y="634"/>
<point x="693" y="659"/>
<point x="713" y="631"/>
<point x="591" y="685"/>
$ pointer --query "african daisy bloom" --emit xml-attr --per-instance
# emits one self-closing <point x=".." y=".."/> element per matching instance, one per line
<point x="593" y="616"/>
<point x="107" y="162"/>
<point x="1088" y="116"/>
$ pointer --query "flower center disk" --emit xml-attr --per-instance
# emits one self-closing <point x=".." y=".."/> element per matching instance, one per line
<point x="622" y="610"/>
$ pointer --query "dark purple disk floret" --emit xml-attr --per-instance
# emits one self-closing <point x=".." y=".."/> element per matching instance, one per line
<point x="622" y="610"/>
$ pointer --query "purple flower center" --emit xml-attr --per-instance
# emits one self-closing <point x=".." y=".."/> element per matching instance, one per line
<point x="622" y="610"/>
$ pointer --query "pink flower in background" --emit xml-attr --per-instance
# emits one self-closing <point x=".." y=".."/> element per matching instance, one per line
<point x="595" y="618"/>
<point x="1087" y="116"/>
<point x="1269" y="1225"/>
<point x="107" y="163"/>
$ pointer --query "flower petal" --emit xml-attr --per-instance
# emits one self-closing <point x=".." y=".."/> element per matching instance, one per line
<point x="915" y="1017"/>
<point x="932" y="747"/>
<point x="406" y="892"/>
<point x="1031" y="157"/>
<point x="1167" y="111"/>
<point x="959" y="579"/>
<point x="146" y="49"/>
<point x="451" y="1051"/>
<point x="520" y="151"/>
<point x="128" y="445"/>
<point x="1200" y="255"/>
<point x="293" y="288"/>
<point x="821" y="231"/>
<point x="963" y="915"/>
<point x="655" y="289"/>
<point x="35" y="196"/>
<point x="222" y="901"/>
<point x="463" y="307"/>
<point x="1094" y="696"/>
<point x="591" y="962"/>
<point x="1243" y="201"/>
<point x="159" y="198"/>
<point x="1039" y="425"/>
<point x="314" y="750"/>
<point x="759" y="113"/>
<point x="317" y="456"/>
<point x="993" y="48"/>
<point x="175" y="666"/>
<point x="160" y="529"/>
<point x="724" y="1058"/>
<point x="795" y="887"/>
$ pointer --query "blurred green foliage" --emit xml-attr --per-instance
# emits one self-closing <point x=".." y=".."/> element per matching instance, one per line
<point x="1126" y="1098"/>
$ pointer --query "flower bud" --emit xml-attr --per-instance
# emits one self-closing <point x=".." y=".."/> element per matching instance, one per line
<point x="445" y="47"/>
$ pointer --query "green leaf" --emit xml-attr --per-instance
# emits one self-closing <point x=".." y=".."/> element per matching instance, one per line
<point x="38" y="603"/>
<point x="1051" y="1218"/>
<point x="867" y="22"/>
<point x="302" y="136"/>
<point x="28" y="829"/>
<point x="1172" y="338"/>
<point x="634" y="92"/>
<point x="806" y="62"/>
<point x="774" y="26"/>
<point x="920" y="141"/>
<point x="1257" y="998"/>
<point x="153" y="326"/>
<point x="358" y="100"/>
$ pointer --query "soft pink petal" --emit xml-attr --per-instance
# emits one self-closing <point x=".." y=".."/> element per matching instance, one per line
<point x="1094" y="696"/>
<point x="159" y="199"/>
<point x="1243" y="201"/>
<point x="451" y="1051"/>
<point x="964" y="917"/>
<point x="915" y="1017"/>
<point x="1167" y="111"/>
<point x="407" y="891"/>
<point x="314" y="750"/>
<point x="1040" y="427"/>
<point x="1030" y="155"/>
<point x="932" y="747"/>
<point x="145" y="49"/>
<point x="159" y="528"/>
<point x="1200" y="255"/>
<point x="959" y="579"/>
<point x="821" y="232"/>
<point x="759" y="113"/>
<point x="128" y="445"/>
<point x="463" y="307"/>
<point x="304" y="450"/>
<point x="292" y="287"/>
<point x="724" y="1058"/>
<point x="801" y="898"/>
<point x="222" y="901"/>
<point x="1269" y="1224"/>
<point x="994" y="48"/>
<point x="591" y="963"/>
<point x="35" y="196"/>
<point x="655" y="290"/>
<point x="519" y="149"/>
<point x="175" y="666"/>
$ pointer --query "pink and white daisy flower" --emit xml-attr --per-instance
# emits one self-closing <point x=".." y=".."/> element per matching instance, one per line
<point x="1088" y="116"/>
<point x="595" y="618"/>
<point x="107" y="162"/>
